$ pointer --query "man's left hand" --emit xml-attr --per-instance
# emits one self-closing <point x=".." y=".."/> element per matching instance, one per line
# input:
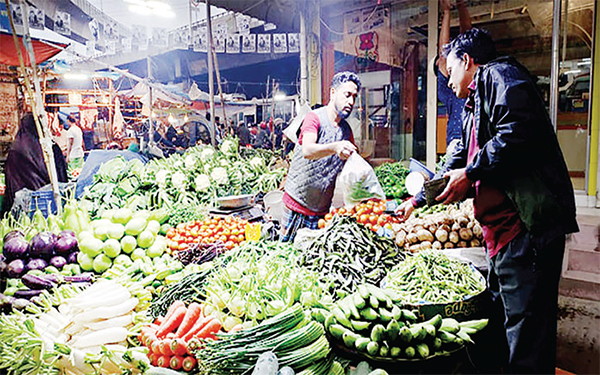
<point x="457" y="187"/>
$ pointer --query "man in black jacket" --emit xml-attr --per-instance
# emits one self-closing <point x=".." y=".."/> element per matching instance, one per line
<point x="523" y="197"/>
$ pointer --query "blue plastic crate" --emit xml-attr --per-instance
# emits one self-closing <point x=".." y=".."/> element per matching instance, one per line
<point x="44" y="201"/>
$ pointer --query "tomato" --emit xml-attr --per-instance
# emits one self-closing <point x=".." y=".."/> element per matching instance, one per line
<point x="363" y="219"/>
<point x="342" y="211"/>
<point x="369" y="225"/>
<point x="229" y="245"/>
<point x="373" y="219"/>
<point x="328" y="217"/>
<point x="377" y="210"/>
<point x="321" y="223"/>
<point x="382" y="220"/>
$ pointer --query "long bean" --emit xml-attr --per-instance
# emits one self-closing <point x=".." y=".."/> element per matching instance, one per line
<point x="432" y="277"/>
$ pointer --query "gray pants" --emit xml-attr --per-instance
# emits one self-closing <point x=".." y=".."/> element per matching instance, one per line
<point x="526" y="280"/>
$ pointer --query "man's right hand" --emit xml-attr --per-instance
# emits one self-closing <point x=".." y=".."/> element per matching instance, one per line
<point x="405" y="209"/>
<point x="344" y="149"/>
<point x="445" y="5"/>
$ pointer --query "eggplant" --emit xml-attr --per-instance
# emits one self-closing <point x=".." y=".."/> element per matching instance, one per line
<point x="37" y="282"/>
<point x="67" y="233"/>
<point x="15" y="268"/>
<point x="72" y="258"/>
<point x="86" y="277"/>
<point x="13" y="234"/>
<point x="28" y="293"/>
<point x="42" y="245"/>
<point x="36" y="264"/>
<point x="3" y="268"/>
<point x="58" y="261"/>
<point x="15" y="248"/>
<point x="65" y="245"/>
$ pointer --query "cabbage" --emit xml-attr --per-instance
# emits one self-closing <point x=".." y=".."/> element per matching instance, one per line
<point x="202" y="182"/>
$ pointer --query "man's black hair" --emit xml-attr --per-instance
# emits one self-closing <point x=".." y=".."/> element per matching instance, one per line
<point x="476" y="43"/>
<point x="343" y="77"/>
<point x="71" y="118"/>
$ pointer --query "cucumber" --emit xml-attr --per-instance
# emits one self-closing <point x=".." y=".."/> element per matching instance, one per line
<point x="373" y="348"/>
<point x="449" y="325"/>
<point x="418" y="332"/>
<point x="436" y="321"/>
<point x="373" y="301"/>
<point x="319" y="314"/>
<point x="385" y="315"/>
<point x="353" y="310"/>
<point x="409" y="316"/>
<point x="446" y="337"/>
<point x="359" y="325"/>
<point x="392" y="330"/>
<point x="363" y="291"/>
<point x="437" y="343"/>
<point x="430" y="329"/>
<point x="330" y="320"/>
<point x="396" y="313"/>
<point x="361" y="344"/>
<point x="377" y="292"/>
<point x="410" y="352"/>
<point x="369" y="314"/>
<point x="464" y="336"/>
<point x="378" y="372"/>
<point x="349" y="339"/>
<point x="341" y="317"/>
<point x="395" y="352"/>
<point x="405" y="335"/>
<point x="358" y="301"/>
<point x="337" y="331"/>
<point x="474" y="324"/>
<point x="377" y="333"/>
<point x="384" y="351"/>
<point x="344" y="308"/>
<point x="423" y="350"/>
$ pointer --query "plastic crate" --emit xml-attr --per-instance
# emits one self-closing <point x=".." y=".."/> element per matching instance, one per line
<point x="44" y="201"/>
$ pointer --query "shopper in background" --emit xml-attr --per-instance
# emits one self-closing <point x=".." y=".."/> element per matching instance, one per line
<point x="524" y="199"/>
<point x="262" y="138"/>
<point x="325" y="142"/>
<point x="74" y="144"/>
<point x="25" y="166"/>
<point x="244" y="134"/>
<point x="454" y="106"/>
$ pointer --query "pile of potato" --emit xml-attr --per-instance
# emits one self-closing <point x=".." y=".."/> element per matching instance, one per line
<point x="454" y="227"/>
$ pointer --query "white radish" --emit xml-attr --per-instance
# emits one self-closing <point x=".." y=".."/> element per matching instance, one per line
<point x="112" y="311"/>
<point x="116" y="297"/>
<point x="119" y="321"/>
<point x="105" y="336"/>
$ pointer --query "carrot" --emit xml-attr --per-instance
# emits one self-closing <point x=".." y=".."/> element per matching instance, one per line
<point x="200" y="323"/>
<point x="163" y="361"/>
<point x="165" y="347"/>
<point x="209" y="330"/>
<point x="176" y="362"/>
<point x="173" y="322"/>
<point x="154" y="358"/>
<point x="194" y="312"/>
<point x="178" y="347"/>
<point x="174" y="306"/>
<point x="189" y="363"/>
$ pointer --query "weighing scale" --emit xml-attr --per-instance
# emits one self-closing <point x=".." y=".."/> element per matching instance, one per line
<point x="250" y="212"/>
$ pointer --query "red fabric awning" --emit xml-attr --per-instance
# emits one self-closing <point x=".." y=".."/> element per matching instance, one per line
<point x="9" y="55"/>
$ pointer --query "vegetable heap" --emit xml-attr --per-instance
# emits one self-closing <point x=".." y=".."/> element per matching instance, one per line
<point x="432" y="277"/>
<point x="370" y="213"/>
<point x="391" y="176"/>
<point x="229" y="230"/>
<point x="347" y="254"/>
<point x="369" y="322"/>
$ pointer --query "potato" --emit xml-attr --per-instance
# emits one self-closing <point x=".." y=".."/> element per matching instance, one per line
<point x="397" y="227"/>
<point x="441" y="235"/>
<point x="425" y="245"/>
<point x="414" y="248"/>
<point x="465" y="234"/>
<point x="462" y="221"/>
<point x="453" y="237"/>
<point x="455" y="226"/>
<point x="477" y="231"/>
<point x="401" y="238"/>
<point x="448" y="245"/>
<point x="470" y="225"/>
<point x="475" y="243"/>
<point x="445" y="227"/>
<point x="412" y="238"/>
<point x="437" y="245"/>
<point x="461" y="244"/>
<point x="425" y="235"/>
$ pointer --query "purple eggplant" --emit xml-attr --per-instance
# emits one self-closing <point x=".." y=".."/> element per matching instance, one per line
<point x="72" y="258"/>
<point x="15" y="268"/>
<point x="36" y="264"/>
<point x="27" y="293"/>
<point x="67" y="233"/>
<point x="37" y="282"/>
<point x="15" y="248"/>
<point x="42" y="245"/>
<point x="86" y="277"/>
<point x="13" y="234"/>
<point x="58" y="261"/>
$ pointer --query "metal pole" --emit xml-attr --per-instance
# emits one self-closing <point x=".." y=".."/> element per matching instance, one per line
<point x="432" y="50"/>
<point x="211" y="90"/>
<point x="303" y="58"/>
<point x="555" y="70"/>
<point x="190" y="15"/>
<point x="149" y="76"/>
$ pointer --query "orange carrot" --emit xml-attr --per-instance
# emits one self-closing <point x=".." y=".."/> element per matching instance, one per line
<point x="163" y="361"/>
<point x="189" y="363"/>
<point x="209" y="330"/>
<point x="174" y="306"/>
<point x="173" y="322"/>
<point x="200" y="323"/>
<point x="178" y="347"/>
<point x="194" y="312"/>
<point x="176" y="362"/>
<point x="165" y="347"/>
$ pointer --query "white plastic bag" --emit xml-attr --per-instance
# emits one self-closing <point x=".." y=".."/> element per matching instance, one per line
<point x="358" y="182"/>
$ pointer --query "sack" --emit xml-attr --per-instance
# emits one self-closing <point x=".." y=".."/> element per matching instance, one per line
<point x="358" y="181"/>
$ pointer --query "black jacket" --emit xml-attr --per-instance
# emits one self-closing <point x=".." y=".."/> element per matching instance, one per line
<point x="519" y="151"/>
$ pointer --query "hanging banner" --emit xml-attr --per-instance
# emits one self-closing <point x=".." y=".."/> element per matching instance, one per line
<point x="200" y="39"/>
<point x="233" y="43"/>
<point x="178" y="38"/>
<point x="90" y="48"/>
<point x="293" y="43"/>
<point x="219" y="43"/>
<point x="36" y="18"/>
<point x="264" y="43"/>
<point x="110" y="31"/>
<point x="220" y="28"/>
<point x="126" y="44"/>
<point x="62" y="24"/>
<point x="249" y="43"/>
<point x="140" y="37"/>
<point x="159" y="37"/>
<point x="280" y="43"/>
<point x="94" y="30"/>
<point x="243" y="24"/>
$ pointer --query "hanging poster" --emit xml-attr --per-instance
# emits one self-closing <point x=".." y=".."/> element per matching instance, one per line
<point x="280" y="43"/>
<point x="111" y="47"/>
<point x="126" y="44"/>
<point x="110" y="31"/>
<point x="200" y="39"/>
<point x="90" y="47"/>
<point x="17" y="13"/>
<point x="264" y="43"/>
<point x="249" y="43"/>
<point x="220" y="28"/>
<point x="243" y="24"/>
<point x="36" y="18"/>
<point x="62" y="24"/>
<point x="140" y="37"/>
<point x="178" y="38"/>
<point x="233" y="43"/>
<point x="94" y="30"/>
<point x="294" y="43"/>
<point x="159" y="37"/>
<point x="219" y="43"/>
